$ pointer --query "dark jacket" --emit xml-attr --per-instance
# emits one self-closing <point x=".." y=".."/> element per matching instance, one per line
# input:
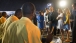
<point x="52" y="17"/>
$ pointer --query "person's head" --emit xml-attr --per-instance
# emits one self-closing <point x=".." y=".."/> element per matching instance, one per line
<point x="67" y="11"/>
<point x="74" y="6"/>
<point x="47" y="10"/>
<point x="18" y="13"/>
<point x="51" y="9"/>
<point x="60" y="11"/>
<point x="41" y="13"/>
<point x="4" y="14"/>
<point x="28" y="10"/>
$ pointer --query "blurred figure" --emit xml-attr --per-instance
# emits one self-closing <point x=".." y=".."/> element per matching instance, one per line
<point x="3" y="18"/>
<point x="15" y="17"/>
<point x="23" y="30"/>
<point x="52" y="20"/>
<point x="74" y="24"/>
<point x="58" y="29"/>
<point x="46" y="18"/>
<point x="67" y="23"/>
<point x="11" y="19"/>
<point x="41" y="21"/>
<point x="60" y="22"/>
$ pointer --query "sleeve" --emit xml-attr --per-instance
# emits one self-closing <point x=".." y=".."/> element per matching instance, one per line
<point x="9" y="35"/>
<point x="42" y="18"/>
<point x="61" y="15"/>
<point x="38" y="18"/>
<point x="5" y="37"/>
<point x="49" y="17"/>
<point x="58" y="16"/>
<point x="67" y="17"/>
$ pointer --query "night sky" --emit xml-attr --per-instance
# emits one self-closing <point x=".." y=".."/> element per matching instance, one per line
<point x="12" y="5"/>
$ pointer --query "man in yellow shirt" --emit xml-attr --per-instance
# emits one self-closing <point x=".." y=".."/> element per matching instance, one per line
<point x="3" y="18"/>
<point x="23" y="30"/>
<point x="7" y="22"/>
<point x="15" y="17"/>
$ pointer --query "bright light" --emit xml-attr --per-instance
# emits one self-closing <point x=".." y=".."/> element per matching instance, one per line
<point x="49" y="4"/>
<point x="62" y="3"/>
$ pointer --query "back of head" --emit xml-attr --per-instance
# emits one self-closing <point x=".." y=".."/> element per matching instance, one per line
<point x="18" y="13"/>
<point x="28" y="9"/>
<point x="41" y="12"/>
<point x="4" y="14"/>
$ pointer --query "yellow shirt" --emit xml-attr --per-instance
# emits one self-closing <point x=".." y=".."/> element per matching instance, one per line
<point x="22" y="31"/>
<point x="9" y="21"/>
<point x="2" y="19"/>
<point x="67" y="21"/>
<point x="32" y="30"/>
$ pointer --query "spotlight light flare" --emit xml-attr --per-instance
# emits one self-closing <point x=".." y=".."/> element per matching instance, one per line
<point x="63" y="3"/>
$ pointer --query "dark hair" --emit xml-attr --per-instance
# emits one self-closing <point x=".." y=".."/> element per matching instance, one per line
<point x="4" y="14"/>
<point x="46" y="8"/>
<point x="41" y="12"/>
<point x="74" y="4"/>
<point x="17" y="11"/>
<point x="28" y="8"/>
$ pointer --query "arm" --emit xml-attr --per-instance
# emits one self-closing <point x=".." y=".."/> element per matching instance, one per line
<point x="67" y="17"/>
<point x="49" y="18"/>
<point x="57" y="17"/>
<point x="38" y="18"/>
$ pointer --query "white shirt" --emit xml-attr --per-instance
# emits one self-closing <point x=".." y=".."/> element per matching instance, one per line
<point x="45" y="17"/>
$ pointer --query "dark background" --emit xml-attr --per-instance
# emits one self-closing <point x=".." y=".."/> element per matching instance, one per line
<point x="12" y="5"/>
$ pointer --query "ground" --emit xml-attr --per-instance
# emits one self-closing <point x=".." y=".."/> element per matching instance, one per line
<point x="55" y="37"/>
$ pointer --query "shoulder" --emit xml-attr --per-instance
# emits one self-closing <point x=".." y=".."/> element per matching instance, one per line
<point x="14" y="17"/>
<point x="3" y="18"/>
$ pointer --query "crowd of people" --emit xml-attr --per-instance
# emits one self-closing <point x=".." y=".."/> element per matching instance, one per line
<point x="27" y="27"/>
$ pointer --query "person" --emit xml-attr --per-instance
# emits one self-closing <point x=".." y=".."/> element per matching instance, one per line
<point x="52" y="20"/>
<point x="23" y="30"/>
<point x="67" y="23"/>
<point x="15" y="17"/>
<point x="18" y="13"/>
<point x="41" y="21"/>
<point x="46" y="19"/>
<point x="74" y="24"/>
<point x="60" y="22"/>
<point x="58" y="29"/>
<point x="3" y="18"/>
